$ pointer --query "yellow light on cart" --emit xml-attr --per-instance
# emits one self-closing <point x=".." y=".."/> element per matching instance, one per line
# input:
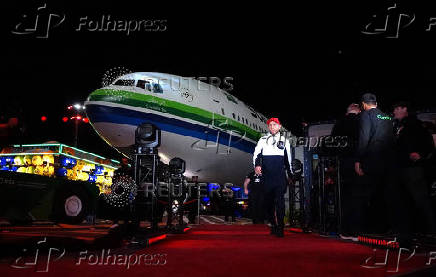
<point x="30" y="169"/>
<point x="49" y="159"/>
<point x="28" y="160"/>
<point x="72" y="174"/>
<point x="48" y="170"/>
<point x="39" y="170"/>
<point x="22" y="169"/>
<point x="83" y="176"/>
<point x="107" y="181"/>
<point x="100" y="179"/>
<point x="37" y="160"/>
<point x="18" y="160"/>
<point x="80" y="165"/>
<point x="88" y="167"/>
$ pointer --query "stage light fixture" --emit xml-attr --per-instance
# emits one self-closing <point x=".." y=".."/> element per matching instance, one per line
<point x="147" y="136"/>
<point x="177" y="166"/>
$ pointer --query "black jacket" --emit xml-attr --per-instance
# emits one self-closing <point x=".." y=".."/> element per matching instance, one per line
<point x="376" y="141"/>
<point x="411" y="137"/>
<point x="347" y="128"/>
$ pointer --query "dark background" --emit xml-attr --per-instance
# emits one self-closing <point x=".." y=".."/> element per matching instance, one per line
<point x="301" y="62"/>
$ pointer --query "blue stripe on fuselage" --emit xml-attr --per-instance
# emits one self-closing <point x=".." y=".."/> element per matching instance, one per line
<point x="100" y="113"/>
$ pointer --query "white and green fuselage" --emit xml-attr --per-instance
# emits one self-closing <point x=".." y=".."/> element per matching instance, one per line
<point x="214" y="132"/>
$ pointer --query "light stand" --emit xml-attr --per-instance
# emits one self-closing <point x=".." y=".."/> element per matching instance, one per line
<point x="147" y="140"/>
<point x="177" y="193"/>
<point x="297" y="196"/>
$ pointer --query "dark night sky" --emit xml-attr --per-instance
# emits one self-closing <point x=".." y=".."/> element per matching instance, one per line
<point x="304" y="61"/>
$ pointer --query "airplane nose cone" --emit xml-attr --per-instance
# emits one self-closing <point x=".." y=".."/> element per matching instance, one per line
<point x="91" y="103"/>
<point x="101" y="103"/>
<point x="98" y="95"/>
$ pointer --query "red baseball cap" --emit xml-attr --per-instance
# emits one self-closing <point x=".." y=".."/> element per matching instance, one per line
<point x="275" y="119"/>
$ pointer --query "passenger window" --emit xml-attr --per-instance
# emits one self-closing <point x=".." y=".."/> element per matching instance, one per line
<point x="126" y="83"/>
<point x="157" y="88"/>
<point x="233" y="115"/>
<point x="143" y="84"/>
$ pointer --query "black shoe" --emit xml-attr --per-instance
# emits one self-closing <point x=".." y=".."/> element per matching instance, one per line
<point x="273" y="230"/>
<point x="280" y="233"/>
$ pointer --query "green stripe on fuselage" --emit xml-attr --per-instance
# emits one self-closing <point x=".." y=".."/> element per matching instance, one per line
<point x="172" y="107"/>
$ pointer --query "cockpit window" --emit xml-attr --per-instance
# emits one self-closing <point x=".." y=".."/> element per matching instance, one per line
<point x="124" y="82"/>
<point x="157" y="88"/>
<point x="144" y="85"/>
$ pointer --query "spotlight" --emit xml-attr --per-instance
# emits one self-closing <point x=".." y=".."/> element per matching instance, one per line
<point x="78" y="106"/>
<point x="147" y="136"/>
<point x="177" y="166"/>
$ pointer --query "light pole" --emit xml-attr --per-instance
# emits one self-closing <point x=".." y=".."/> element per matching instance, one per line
<point x="78" y="116"/>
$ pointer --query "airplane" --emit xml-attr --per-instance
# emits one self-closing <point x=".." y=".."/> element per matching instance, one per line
<point x="212" y="130"/>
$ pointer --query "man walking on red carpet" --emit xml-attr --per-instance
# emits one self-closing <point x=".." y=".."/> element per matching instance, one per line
<point x="271" y="158"/>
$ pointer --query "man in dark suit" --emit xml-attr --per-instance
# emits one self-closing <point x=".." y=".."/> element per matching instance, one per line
<point x="414" y="145"/>
<point x="353" y="198"/>
<point x="374" y="158"/>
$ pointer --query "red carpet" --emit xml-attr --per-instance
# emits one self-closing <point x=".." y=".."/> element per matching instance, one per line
<point x="225" y="250"/>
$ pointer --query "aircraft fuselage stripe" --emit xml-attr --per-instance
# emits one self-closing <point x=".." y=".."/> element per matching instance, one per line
<point x="172" y="107"/>
<point x="101" y="113"/>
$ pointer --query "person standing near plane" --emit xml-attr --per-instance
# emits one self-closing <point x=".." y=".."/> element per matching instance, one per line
<point x="353" y="197"/>
<point x="271" y="159"/>
<point x="374" y="157"/>
<point x="414" y="146"/>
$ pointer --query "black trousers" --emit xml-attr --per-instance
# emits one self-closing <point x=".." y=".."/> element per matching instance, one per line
<point x="228" y="209"/>
<point x="355" y="199"/>
<point x="355" y="205"/>
<point x="410" y="202"/>
<point x="256" y="205"/>
<point x="377" y="216"/>
<point x="275" y="205"/>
